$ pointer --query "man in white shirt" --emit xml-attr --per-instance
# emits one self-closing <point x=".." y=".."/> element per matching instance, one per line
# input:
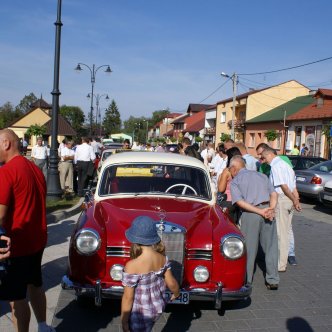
<point x="84" y="158"/>
<point x="96" y="146"/>
<point x="66" y="167"/>
<point x="208" y="153"/>
<point x="218" y="164"/>
<point x="283" y="179"/>
<point x="251" y="162"/>
<point x="39" y="155"/>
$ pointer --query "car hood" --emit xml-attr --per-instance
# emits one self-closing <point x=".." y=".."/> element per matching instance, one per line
<point x="116" y="215"/>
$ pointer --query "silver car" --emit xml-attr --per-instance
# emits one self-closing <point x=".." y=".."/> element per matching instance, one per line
<point x="326" y="194"/>
<point x="310" y="182"/>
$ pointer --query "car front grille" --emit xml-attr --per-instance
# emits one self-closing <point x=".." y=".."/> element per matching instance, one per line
<point x="202" y="254"/>
<point x="173" y="236"/>
<point x="118" y="251"/>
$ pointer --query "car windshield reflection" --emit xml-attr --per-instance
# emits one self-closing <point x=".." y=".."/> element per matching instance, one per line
<point x="151" y="179"/>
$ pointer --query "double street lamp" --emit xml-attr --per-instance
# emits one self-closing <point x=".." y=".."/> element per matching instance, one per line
<point x="93" y="72"/>
<point x="235" y="81"/>
<point x="98" y="112"/>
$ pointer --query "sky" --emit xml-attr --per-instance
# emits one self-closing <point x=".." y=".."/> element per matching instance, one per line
<point x="163" y="54"/>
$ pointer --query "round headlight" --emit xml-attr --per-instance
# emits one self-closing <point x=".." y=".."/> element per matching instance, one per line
<point x="201" y="274"/>
<point x="87" y="242"/>
<point x="116" y="272"/>
<point x="232" y="247"/>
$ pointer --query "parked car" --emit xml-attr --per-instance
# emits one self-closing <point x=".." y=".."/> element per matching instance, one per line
<point x="310" y="182"/>
<point x="104" y="155"/>
<point x="304" y="162"/>
<point x="326" y="194"/>
<point x="205" y="247"/>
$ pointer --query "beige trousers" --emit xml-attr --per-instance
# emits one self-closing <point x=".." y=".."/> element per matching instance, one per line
<point x="284" y="215"/>
<point x="66" y="175"/>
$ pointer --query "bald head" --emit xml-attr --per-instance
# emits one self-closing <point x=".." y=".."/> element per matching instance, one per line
<point x="9" y="145"/>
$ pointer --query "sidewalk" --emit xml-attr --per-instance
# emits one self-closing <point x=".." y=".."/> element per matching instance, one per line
<point x="54" y="265"/>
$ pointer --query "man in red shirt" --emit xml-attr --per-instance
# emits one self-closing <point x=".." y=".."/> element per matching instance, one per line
<point x="24" y="233"/>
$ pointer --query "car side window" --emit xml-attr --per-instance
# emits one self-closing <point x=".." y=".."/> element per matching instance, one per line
<point x="308" y="163"/>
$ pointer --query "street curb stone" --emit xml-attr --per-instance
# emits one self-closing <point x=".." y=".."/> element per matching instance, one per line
<point x="56" y="216"/>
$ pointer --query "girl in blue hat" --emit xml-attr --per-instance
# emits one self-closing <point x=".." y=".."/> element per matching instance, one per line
<point x="145" y="277"/>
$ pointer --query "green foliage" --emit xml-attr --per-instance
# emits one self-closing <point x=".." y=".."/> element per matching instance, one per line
<point x="326" y="131"/>
<point x="36" y="130"/>
<point x="8" y="115"/>
<point x="112" y="119"/>
<point x="224" y="137"/>
<point x="24" y="105"/>
<point x="137" y="127"/>
<point x="173" y="139"/>
<point x="75" y="116"/>
<point x="198" y="139"/>
<point x="158" y="116"/>
<point x="271" y="135"/>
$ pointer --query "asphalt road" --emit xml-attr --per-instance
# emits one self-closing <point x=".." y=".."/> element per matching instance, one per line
<point x="302" y="303"/>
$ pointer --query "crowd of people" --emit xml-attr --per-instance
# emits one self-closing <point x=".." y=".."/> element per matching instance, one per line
<point x="259" y="193"/>
<point x="260" y="196"/>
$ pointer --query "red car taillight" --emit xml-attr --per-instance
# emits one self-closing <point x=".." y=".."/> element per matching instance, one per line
<point x="316" y="180"/>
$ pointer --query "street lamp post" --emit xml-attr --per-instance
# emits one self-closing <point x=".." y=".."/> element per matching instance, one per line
<point x="235" y="81"/>
<point x="98" y="113"/>
<point x="53" y="181"/>
<point x="93" y="72"/>
<point x="147" y="130"/>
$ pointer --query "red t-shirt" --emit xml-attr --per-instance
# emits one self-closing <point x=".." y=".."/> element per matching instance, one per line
<point x="23" y="191"/>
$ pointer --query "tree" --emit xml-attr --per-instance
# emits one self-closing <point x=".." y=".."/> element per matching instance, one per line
<point x="158" y="116"/>
<point x="8" y="115"/>
<point x="75" y="116"/>
<point x="24" y="105"/>
<point x="224" y="137"/>
<point x="112" y="119"/>
<point x="36" y="130"/>
<point x="271" y="135"/>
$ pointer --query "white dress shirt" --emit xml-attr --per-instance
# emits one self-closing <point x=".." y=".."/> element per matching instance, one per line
<point x="65" y="152"/>
<point x="39" y="152"/>
<point x="251" y="162"/>
<point x="282" y="173"/>
<point x="84" y="152"/>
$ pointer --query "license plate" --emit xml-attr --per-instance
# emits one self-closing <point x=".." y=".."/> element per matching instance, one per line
<point x="328" y="198"/>
<point x="300" y="179"/>
<point x="182" y="299"/>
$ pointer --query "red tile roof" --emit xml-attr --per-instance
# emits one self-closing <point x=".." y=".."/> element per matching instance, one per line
<point x="195" y="122"/>
<point x="197" y="107"/>
<point x="324" y="92"/>
<point x="313" y="112"/>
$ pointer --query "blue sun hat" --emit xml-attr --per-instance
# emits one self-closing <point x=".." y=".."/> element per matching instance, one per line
<point x="143" y="231"/>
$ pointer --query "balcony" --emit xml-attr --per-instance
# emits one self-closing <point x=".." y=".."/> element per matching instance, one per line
<point x="210" y="131"/>
<point x="238" y="124"/>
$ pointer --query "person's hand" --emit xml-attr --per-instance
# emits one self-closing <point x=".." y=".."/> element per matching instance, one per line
<point x="4" y="247"/>
<point x="297" y="205"/>
<point x="174" y="296"/>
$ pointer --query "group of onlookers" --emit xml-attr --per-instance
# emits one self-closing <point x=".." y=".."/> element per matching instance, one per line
<point x="260" y="196"/>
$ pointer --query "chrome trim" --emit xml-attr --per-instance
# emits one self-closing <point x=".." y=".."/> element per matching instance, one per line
<point x="98" y="293"/>
<point x="117" y="251"/>
<point x="196" y="294"/>
<point x="222" y="241"/>
<point x="218" y="302"/>
<point x="82" y="231"/>
<point x="200" y="254"/>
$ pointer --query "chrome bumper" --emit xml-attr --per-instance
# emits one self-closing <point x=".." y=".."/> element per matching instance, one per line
<point x="196" y="294"/>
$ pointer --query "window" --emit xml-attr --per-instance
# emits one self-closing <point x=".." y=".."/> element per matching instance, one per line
<point x="223" y="117"/>
<point x="252" y="140"/>
<point x="320" y="102"/>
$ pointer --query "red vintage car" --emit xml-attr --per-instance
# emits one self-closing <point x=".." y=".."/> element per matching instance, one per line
<point x="206" y="249"/>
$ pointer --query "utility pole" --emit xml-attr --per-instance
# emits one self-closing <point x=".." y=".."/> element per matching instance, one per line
<point x="234" y="79"/>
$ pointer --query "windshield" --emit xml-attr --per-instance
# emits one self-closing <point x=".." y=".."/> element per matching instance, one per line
<point x="106" y="154"/>
<point x="161" y="179"/>
<point x="325" y="166"/>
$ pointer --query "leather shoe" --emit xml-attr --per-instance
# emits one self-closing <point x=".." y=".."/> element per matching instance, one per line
<point x="292" y="260"/>
<point x="271" y="286"/>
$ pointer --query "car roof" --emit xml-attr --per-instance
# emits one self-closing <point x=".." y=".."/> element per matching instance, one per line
<point x="153" y="157"/>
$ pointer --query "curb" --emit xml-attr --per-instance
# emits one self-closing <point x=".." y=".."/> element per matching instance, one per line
<point x="56" y="216"/>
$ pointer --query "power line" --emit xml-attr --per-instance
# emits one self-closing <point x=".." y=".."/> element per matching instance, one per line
<point x="284" y="69"/>
<point x="211" y="94"/>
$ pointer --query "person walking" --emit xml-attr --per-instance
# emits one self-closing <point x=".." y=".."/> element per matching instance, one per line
<point x="255" y="196"/>
<point x="283" y="179"/>
<point x="66" y="167"/>
<point x="39" y="155"/>
<point x="84" y="158"/>
<point x="23" y="227"/>
<point x="145" y="277"/>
